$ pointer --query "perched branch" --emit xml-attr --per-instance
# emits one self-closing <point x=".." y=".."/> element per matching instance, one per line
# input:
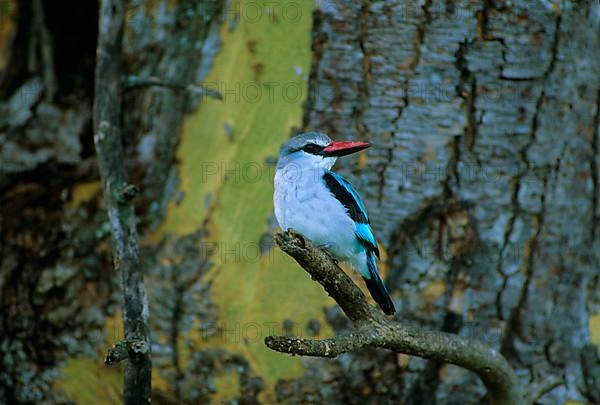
<point x="118" y="195"/>
<point x="373" y="329"/>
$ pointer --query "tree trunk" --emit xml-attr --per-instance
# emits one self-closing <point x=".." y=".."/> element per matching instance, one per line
<point x="482" y="182"/>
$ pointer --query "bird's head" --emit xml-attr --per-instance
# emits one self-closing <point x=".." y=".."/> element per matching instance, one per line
<point x="317" y="148"/>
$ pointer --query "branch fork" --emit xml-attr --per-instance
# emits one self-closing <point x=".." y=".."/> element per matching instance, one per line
<point x="373" y="329"/>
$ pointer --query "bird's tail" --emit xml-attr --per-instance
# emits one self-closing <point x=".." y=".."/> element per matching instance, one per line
<point x="377" y="288"/>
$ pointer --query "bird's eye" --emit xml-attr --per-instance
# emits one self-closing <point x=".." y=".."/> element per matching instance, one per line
<point x="312" y="148"/>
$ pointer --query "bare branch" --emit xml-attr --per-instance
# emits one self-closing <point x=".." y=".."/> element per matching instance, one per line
<point x="325" y="271"/>
<point x="118" y="195"/>
<point x="137" y="82"/>
<point x="374" y="329"/>
<point x="319" y="348"/>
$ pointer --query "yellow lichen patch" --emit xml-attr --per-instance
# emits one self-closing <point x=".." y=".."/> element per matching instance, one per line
<point x="227" y="388"/>
<point x="276" y="291"/>
<point x="89" y="380"/>
<point x="84" y="192"/>
<point x="594" y="325"/>
<point x="261" y="71"/>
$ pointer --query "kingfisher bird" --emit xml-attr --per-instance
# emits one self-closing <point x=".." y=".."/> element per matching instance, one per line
<point x="324" y="207"/>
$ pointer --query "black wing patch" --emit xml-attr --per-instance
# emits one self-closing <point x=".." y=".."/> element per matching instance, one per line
<point x="344" y="195"/>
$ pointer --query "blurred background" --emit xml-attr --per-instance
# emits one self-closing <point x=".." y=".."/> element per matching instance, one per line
<point x="482" y="186"/>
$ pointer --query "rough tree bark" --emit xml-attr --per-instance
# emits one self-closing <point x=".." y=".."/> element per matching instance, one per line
<point x="482" y="182"/>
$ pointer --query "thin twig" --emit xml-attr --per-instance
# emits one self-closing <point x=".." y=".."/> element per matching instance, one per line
<point x="134" y="82"/>
<point x="118" y="195"/>
<point x="373" y="329"/>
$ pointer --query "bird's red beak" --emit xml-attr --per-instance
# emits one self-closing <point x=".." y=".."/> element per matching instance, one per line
<point x="344" y="148"/>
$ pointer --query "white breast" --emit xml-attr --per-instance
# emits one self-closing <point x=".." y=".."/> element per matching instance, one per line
<point x="304" y="203"/>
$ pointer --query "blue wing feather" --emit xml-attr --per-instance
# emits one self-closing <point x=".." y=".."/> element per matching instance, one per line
<point x="364" y="233"/>
<point x="345" y="193"/>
